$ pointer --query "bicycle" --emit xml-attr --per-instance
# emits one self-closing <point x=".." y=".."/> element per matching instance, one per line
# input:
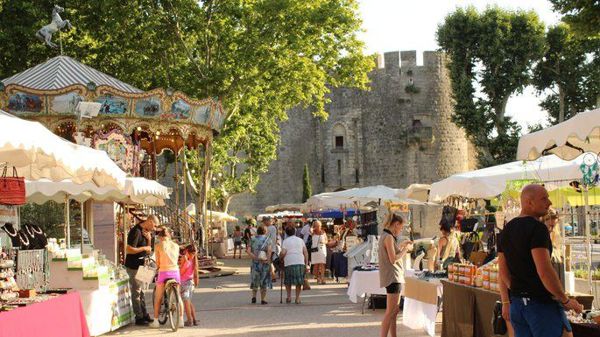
<point x="170" y="308"/>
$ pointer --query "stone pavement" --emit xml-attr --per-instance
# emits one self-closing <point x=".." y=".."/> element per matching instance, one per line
<point x="223" y="306"/>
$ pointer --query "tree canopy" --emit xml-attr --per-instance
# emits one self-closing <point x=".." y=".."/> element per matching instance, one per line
<point x="261" y="57"/>
<point x="491" y="56"/>
<point x="582" y="15"/>
<point x="570" y="69"/>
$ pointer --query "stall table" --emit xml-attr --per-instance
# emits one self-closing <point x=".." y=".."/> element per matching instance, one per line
<point x="61" y="316"/>
<point x="364" y="283"/>
<point x="468" y="311"/>
<point x="421" y="303"/>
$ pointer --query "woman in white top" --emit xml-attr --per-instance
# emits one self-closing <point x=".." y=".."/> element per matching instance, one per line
<point x="295" y="258"/>
<point x="318" y="252"/>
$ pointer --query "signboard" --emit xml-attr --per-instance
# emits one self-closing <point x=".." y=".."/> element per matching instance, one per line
<point x="397" y="207"/>
<point x="105" y="238"/>
<point x="122" y="309"/>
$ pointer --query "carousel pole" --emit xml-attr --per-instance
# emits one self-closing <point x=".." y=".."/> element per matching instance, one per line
<point x="206" y="181"/>
<point x="184" y="176"/>
<point x="176" y="178"/>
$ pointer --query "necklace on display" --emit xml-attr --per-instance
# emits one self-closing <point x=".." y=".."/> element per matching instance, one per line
<point x="36" y="229"/>
<point x="7" y="230"/>
<point x="26" y="241"/>
<point x="28" y="229"/>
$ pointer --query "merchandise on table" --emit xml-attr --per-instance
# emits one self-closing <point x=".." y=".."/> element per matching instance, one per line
<point x="8" y="285"/>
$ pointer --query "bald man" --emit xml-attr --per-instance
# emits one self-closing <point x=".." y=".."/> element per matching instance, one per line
<point x="533" y="298"/>
<point x="139" y="246"/>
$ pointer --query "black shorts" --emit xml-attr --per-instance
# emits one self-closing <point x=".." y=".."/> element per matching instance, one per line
<point x="237" y="244"/>
<point x="393" y="288"/>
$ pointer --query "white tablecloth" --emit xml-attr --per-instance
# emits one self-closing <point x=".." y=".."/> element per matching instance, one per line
<point x="364" y="283"/>
<point x="421" y="315"/>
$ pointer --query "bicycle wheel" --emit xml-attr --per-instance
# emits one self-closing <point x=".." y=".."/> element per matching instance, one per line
<point x="162" y="314"/>
<point x="173" y="307"/>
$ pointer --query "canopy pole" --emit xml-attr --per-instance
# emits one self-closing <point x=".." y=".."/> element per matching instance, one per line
<point x="82" y="224"/>
<point x="67" y="224"/>
<point x="588" y="237"/>
<point x="184" y="177"/>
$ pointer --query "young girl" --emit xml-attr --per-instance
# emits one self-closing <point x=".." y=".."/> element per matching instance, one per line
<point x="237" y="241"/>
<point x="188" y="266"/>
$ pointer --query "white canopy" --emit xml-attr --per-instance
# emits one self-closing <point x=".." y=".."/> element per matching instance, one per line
<point x="137" y="191"/>
<point x="418" y="192"/>
<point x="356" y="197"/>
<point x="37" y="153"/>
<point x="489" y="182"/>
<point x="214" y="215"/>
<point x="284" y="207"/>
<point x="567" y="140"/>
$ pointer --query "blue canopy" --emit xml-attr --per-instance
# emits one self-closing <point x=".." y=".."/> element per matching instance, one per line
<point x="333" y="213"/>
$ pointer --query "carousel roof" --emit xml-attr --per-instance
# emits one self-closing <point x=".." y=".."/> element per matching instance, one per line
<point x="61" y="72"/>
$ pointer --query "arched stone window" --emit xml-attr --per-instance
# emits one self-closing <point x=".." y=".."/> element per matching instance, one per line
<point x="339" y="136"/>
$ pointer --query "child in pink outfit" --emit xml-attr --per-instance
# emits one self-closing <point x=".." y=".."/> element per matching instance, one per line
<point x="189" y="279"/>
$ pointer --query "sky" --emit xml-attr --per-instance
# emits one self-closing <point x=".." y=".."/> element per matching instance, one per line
<point x="391" y="25"/>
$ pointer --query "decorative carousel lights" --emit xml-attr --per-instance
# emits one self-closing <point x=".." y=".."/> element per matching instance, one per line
<point x="90" y="108"/>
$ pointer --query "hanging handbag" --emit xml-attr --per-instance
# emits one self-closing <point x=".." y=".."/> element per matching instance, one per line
<point x="262" y="254"/>
<point x="146" y="272"/>
<point x="498" y="322"/>
<point x="316" y="249"/>
<point x="12" y="189"/>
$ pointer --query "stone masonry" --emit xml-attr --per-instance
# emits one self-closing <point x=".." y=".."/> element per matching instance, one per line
<point x="395" y="134"/>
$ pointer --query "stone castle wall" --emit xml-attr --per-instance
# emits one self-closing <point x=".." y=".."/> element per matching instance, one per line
<point x="395" y="134"/>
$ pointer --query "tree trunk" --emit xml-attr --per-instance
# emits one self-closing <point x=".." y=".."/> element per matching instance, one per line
<point x="561" y="104"/>
<point x="226" y="202"/>
<point x="500" y="111"/>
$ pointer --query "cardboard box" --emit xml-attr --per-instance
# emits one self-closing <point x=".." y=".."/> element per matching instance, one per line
<point x="421" y="291"/>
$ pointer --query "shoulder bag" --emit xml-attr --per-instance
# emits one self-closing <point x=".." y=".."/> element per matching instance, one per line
<point x="316" y="249"/>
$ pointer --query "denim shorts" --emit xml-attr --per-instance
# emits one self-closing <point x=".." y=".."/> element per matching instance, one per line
<point x="187" y="290"/>
<point x="535" y="318"/>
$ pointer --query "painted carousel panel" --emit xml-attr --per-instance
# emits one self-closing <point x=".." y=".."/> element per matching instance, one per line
<point x="65" y="104"/>
<point x="148" y="107"/>
<point x="22" y="103"/>
<point x="113" y="105"/>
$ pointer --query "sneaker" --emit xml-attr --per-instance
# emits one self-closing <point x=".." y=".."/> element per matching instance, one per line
<point x="253" y="300"/>
<point x="148" y="319"/>
<point x="154" y="325"/>
<point x="195" y="323"/>
<point x="141" y="321"/>
<point x="181" y="324"/>
<point x="188" y="323"/>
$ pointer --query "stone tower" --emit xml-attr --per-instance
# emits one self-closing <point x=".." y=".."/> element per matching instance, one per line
<point x="397" y="133"/>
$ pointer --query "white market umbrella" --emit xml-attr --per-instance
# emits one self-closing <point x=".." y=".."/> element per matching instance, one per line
<point x="37" y="153"/>
<point x="284" y="207"/>
<point x="490" y="182"/>
<point x="418" y="192"/>
<point x="567" y="140"/>
<point x="355" y="197"/>
<point x="214" y="215"/>
<point x="136" y="190"/>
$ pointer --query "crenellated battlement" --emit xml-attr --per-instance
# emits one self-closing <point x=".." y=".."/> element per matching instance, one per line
<point x="408" y="58"/>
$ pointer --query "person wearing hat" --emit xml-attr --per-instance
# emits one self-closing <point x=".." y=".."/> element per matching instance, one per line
<point x="139" y="246"/>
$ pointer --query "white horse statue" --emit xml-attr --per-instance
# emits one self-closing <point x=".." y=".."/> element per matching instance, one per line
<point x="45" y="33"/>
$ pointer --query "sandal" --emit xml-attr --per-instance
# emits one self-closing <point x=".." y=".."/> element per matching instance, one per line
<point x="288" y="300"/>
<point x="253" y="300"/>
<point x="263" y="302"/>
<point x="297" y="301"/>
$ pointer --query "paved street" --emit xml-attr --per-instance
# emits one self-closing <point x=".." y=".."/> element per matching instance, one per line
<point x="224" y="309"/>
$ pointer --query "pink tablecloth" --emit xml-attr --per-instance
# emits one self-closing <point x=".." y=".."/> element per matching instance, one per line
<point x="59" y="317"/>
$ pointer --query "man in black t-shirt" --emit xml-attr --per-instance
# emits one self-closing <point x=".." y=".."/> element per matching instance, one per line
<point x="532" y="296"/>
<point x="139" y="245"/>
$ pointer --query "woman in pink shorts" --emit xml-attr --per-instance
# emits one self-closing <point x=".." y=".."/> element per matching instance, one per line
<point x="167" y="253"/>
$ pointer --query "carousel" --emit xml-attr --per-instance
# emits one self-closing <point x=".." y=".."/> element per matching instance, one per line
<point x="133" y="126"/>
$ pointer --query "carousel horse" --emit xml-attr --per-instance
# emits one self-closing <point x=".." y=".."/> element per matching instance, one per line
<point x="45" y="33"/>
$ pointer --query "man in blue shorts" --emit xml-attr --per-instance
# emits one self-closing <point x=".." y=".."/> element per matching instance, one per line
<point x="533" y="299"/>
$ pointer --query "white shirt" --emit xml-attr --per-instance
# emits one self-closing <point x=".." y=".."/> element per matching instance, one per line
<point x="293" y="247"/>
<point x="305" y="232"/>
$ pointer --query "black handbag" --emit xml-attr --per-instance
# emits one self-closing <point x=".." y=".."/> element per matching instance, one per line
<point x="315" y="249"/>
<point x="498" y="322"/>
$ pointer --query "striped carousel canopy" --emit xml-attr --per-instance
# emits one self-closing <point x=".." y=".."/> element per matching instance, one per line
<point x="61" y="72"/>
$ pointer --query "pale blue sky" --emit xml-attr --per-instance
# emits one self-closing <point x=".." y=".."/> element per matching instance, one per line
<point x="411" y="24"/>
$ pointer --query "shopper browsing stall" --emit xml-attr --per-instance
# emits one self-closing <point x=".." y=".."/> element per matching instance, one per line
<point x="139" y="246"/>
<point x="537" y="302"/>
<point x="391" y="272"/>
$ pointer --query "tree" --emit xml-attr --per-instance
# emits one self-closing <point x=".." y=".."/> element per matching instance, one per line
<point x="494" y="52"/>
<point x="306" y="186"/>
<point x="582" y="15"/>
<point x="569" y="69"/>
<point x="262" y="58"/>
